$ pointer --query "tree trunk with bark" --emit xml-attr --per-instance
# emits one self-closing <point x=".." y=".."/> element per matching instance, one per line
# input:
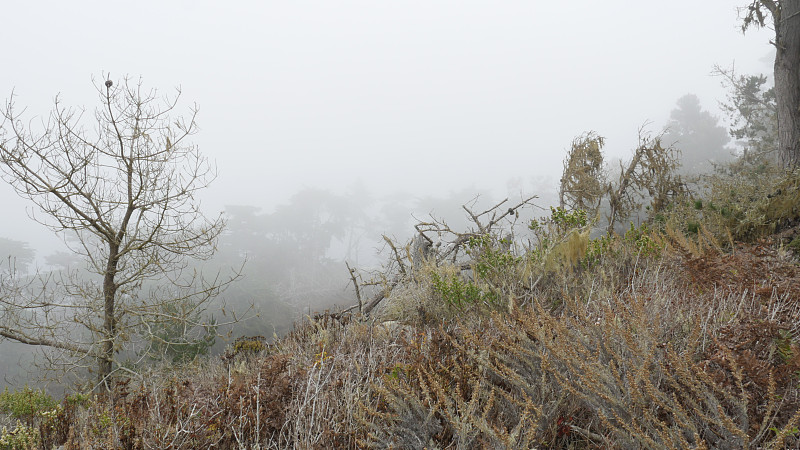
<point x="786" y="22"/>
<point x="786" y="16"/>
<point x="109" y="319"/>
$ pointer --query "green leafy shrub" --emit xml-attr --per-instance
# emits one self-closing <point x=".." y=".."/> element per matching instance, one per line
<point x="643" y="240"/>
<point x="598" y="248"/>
<point x="457" y="292"/>
<point x="494" y="257"/>
<point x="637" y="242"/>
<point x="560" y="240"/>
<point x="794" y="245"/>
<point x="560" y="221"/>
<point x="245" y="347"/>
<point x="26" y="404"/>
<point x="251" y="344"/>
<point x="76" y="399"/>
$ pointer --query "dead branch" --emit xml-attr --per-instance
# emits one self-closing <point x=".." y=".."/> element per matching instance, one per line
<point x="447" y="246"/>
<point x="355" y="285"/>
<point x="400" y="264"/>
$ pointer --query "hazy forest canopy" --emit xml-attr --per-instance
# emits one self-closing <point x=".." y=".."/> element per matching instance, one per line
<point x="404" y="266"/>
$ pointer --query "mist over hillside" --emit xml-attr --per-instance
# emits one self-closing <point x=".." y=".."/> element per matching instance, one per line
<point x="294" y="256"/>
<point x="400" y="225"/>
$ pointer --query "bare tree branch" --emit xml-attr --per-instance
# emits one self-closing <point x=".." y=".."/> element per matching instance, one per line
<point x="124" y="187"/>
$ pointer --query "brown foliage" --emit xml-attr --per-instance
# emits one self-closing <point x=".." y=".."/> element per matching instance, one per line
<point x="639" y="346"/>
<point x="446" y="390"/>
<point x="757" y="268"/>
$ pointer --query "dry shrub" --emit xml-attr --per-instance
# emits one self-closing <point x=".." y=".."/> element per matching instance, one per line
<point x="761" y="267"/>
<point x="609" y="267"/>
<point x="753" y="344"/>
<point x="192" y="411"/>
<point x="757" y="358"/>
<point x="445" y="393"/>
<point x="643" y="389"/>
<point x="342" y="361"/>
<point x="650" y="362"/>
<point x="637" y="361"/>
<point x="304" y="392"/>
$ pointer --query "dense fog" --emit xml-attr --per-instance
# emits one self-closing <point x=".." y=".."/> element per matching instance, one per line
<point x="334" y="125"/>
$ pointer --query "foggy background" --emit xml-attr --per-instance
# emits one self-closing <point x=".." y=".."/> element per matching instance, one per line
<point x="334" y="122"/>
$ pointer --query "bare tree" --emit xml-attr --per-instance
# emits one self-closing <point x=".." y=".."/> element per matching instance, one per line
<point x="786" y="24"/>
<point x="123" y="183"/>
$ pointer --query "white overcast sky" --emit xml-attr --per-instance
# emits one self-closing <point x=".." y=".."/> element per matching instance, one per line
<point x="421" y="96"/>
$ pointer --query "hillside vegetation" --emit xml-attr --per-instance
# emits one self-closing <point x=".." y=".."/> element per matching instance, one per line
<point x="681" y="332"/>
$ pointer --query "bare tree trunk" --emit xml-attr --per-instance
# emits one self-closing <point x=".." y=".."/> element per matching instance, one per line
<point x="109" y="319"/>
<point x="787" y="79"/>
